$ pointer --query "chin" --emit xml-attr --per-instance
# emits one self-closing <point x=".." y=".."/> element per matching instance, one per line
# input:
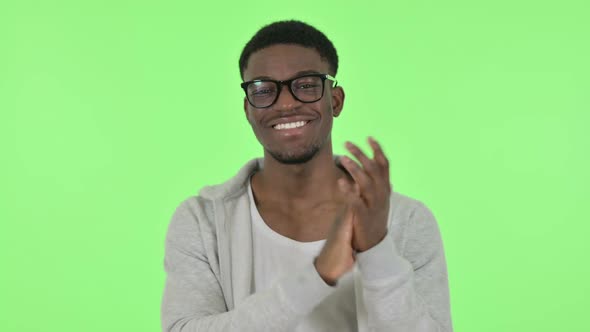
<point x="294" y="158"/>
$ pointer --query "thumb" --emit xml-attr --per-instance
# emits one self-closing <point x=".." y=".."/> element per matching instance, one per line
<point x="344" y="225"/>
<point x="349" y="189"/>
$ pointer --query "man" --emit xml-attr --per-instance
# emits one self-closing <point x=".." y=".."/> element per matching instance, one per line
<point x="302" y="240"/>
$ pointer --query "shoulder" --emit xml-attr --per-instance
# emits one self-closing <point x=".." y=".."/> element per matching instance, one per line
<point x="405" y="208"/>
<point x="191" y="219"/>
<point x="411" y="222"/>
<point x="233" y="186"/>
<point x="196" y="215"/>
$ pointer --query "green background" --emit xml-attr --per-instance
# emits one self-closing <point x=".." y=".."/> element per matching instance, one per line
<point x="113" y="112"/>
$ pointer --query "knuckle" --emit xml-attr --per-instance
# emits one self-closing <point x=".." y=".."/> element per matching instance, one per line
<point x="372" y="167"/>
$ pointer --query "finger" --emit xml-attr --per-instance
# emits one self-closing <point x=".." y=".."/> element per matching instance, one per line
<point x="349" y="189"/>
<point x="345" y="229"/>
<point x="380" y="157"/>
<point x="343" y="226"/>
<point x="352" y="194"/>
<point x="360" y="177"/>
<point x="370" y="166"/>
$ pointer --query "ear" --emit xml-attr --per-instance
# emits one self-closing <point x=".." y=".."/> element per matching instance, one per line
<point x="246" y="107"/>
<point x="337" y="101"/>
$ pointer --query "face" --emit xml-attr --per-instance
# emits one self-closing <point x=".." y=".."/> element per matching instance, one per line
<point x="278" y="128"/>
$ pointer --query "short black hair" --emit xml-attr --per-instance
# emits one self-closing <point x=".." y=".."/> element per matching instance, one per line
<point x="290" y="32"/>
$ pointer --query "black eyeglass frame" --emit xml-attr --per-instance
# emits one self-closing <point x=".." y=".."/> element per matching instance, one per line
<point x="288" y="83"/>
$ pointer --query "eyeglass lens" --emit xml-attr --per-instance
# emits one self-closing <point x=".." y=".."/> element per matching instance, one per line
<point x="306" y="89"/>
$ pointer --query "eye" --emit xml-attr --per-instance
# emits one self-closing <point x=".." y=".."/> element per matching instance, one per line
<point x="307" y="86"/>
<point x="262" y="92"/>
<point x="307" y="83"/>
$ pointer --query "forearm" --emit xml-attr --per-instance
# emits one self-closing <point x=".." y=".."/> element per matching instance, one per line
<point x="278" y="308"/>
<point x="391" y="297"/>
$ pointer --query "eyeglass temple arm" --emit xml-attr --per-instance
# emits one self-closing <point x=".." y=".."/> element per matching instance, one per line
<point x="332" y="78"/>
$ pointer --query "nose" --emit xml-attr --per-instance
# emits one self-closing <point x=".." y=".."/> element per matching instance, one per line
<point x="286" y="100"/>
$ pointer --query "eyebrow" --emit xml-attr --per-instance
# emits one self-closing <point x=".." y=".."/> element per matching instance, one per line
<point x="299" y="73"/>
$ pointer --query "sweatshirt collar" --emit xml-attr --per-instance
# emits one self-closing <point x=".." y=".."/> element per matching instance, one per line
<point x="239" y="183"/>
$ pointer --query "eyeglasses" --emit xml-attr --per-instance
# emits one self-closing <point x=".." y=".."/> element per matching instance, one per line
<point x="307" y="89"/>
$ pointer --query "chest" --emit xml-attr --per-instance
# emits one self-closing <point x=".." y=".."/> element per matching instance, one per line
<point x="303" y="225"/>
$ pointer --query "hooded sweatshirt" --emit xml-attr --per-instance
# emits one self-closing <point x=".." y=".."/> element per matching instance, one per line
<point x="400" y="284"/>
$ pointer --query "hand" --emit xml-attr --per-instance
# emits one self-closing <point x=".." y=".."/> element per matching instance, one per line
<point x="337" y="255"/>
<point x="368" y="195"/>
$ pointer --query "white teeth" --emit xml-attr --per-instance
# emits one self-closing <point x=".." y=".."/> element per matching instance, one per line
<point x="290" y="125"/>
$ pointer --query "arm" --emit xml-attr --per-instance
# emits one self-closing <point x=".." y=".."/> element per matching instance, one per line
<point x="407" y="293"/>
<point x="193" y="298"/>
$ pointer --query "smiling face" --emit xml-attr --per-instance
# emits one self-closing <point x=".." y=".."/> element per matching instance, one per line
<point x="290" y="131"/>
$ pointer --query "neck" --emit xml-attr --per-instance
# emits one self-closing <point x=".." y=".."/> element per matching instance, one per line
<point x="312" y="181"/>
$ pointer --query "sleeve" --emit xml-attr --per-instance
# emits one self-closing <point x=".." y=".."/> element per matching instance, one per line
<point x="193" y="298"/>
<point x="407" y="292"/>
